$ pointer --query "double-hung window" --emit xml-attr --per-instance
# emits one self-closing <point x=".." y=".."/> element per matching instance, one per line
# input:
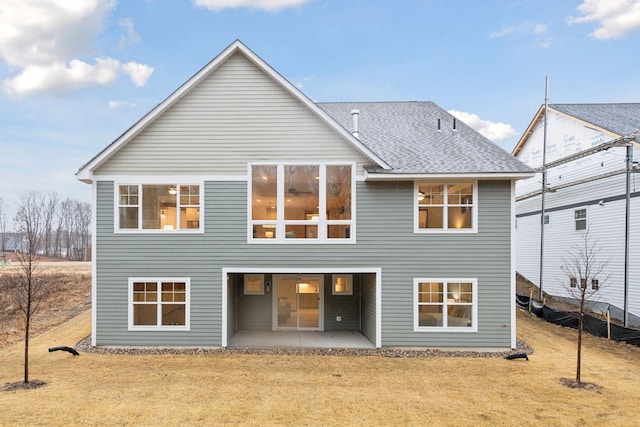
<point x="159" y="303"/>
<point x="445" y="305"/>
<point x="580" y="216"/>
<point x="166" y="207"/>
<point x="301" y="203"/>
<point x="441" y="207"/>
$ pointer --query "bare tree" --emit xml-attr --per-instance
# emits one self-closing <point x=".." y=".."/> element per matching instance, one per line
<point x="3" y="226"/>
<point x="49" y="206"/>
<point x="27" y="290"/>
<point x="585" y="272"/>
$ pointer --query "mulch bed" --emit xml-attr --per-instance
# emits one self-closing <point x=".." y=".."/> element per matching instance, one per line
<point x="572" y="383"/>
<point x="20" y="385"/>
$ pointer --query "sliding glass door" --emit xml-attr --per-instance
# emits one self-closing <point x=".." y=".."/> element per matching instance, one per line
<point x="297" y="302"/>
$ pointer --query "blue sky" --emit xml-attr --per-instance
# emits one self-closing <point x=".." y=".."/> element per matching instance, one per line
<point x="75" y="74"/>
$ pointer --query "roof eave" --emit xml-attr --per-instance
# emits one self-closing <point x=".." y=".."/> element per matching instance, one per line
<point x="386" y="176"/>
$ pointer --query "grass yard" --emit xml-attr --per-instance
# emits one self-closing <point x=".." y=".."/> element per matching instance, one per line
<point x="323" y="390"/>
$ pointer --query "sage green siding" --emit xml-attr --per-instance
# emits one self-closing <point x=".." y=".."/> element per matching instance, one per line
<point x="385" y="239"/>
<point x="235" y="115"/>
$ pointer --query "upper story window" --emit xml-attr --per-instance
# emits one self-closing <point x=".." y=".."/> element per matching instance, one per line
<point x="166" y="207"/>
<point x="446" y="207"/>
<point x="580" y="216"/>
<point x="301" y="203"/>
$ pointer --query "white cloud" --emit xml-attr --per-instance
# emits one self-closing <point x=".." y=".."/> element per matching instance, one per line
<point x="540" y="28"/>
<point x="616" y="17"/>
<point x="43" y="32"/>
<point x="269" y="5"/>
<point x="139" y="73"/>
<point x="131" y="37"/>
<point x="495" y="131"/>
<point x="44" y="40"/>
<point x="60" y="78"/>
<point x="502" y="33"/>
<point x="119" y="104"/>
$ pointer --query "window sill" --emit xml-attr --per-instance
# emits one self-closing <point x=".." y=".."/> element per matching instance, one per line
<point x="159" y="328"/>
<point x="447" y="329"/>
<point x="445" y="231"/>
<point x="163" y="232"/>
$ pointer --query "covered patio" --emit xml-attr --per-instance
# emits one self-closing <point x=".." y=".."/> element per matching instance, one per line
<point x="300" y="339"/>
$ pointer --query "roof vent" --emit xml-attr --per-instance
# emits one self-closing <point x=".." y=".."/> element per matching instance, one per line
<point x="454" y="124"/>
<point x="439" y="126"/>
<point x="354" y="116"/>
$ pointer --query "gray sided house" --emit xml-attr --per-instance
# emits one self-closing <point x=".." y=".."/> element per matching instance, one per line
<point x="240" y="205"/>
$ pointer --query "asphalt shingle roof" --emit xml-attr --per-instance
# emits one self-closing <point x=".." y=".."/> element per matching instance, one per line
<point x="623" y="119"/>
<point x="406" y="136"/>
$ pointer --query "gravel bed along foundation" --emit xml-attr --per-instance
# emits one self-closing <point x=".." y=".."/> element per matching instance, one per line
<point x="85" y="346"/>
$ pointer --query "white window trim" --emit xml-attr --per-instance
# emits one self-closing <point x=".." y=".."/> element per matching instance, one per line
<point x="474" y="305"/>
<point x="247" y="292"/>
<point x="322" y="222"/>
<point x="159" y="280"/>
<point x="575" y="220"/>
<point x="155" y="180"/>
<point x="416" y="210"/>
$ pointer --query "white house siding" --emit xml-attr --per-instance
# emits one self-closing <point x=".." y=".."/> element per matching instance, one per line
<point x="234" y="115"/>
<point x="385" y="240"/>
<point x="606" y="222"/>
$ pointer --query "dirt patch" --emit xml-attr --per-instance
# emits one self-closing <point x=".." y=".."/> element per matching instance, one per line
<point x="572" y="383"/>
<point x="525" y="288"/>
<point x="20" y="385"/>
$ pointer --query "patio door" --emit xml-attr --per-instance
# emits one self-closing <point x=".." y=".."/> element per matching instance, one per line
<point x="297" y="302"/>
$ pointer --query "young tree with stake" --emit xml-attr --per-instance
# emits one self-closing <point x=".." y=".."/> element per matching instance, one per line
<point x="26" y="289"/>
<point x="586" y="277"/>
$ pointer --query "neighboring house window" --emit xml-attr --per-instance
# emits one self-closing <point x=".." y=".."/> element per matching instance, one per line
<point x="158" y="304"/>
<point x="445" y="304"/>
<point x="573" y="283"/>
<point x="446" y="207"/>
<point x="595" y="284"/>
<point x="580" y="216"/>
<point x="301" y="203"/>
<point x="158" y="207"/>
<point x="545" y="220"/>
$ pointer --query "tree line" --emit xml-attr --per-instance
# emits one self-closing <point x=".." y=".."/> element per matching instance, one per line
<point x="63" y="226"/>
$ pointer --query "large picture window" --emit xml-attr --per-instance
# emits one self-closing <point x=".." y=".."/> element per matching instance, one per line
<point x="445" y="304"/>
<point x="164" y="207"/>
<point x="301" y="203"/>
<point x="158" y="304"/>
<point x="446" y="207"/>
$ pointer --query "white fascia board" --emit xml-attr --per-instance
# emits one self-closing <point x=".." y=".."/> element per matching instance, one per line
<point x="448" y="176"/>
<point x="86" y="172"/>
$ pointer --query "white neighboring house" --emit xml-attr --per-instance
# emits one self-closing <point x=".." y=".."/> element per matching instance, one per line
<point x="586" y="192"/>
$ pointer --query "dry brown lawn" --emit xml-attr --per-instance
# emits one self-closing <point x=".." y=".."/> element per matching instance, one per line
<point x="323" y="390"/>
<point x="67" y="293"/>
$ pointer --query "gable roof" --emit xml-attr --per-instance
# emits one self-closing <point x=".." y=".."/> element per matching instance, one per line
<point x="406" y="135"/>
<point x="400" y="138"/>
<point x="617" y="120"/>
<point x="85" y="172"/>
